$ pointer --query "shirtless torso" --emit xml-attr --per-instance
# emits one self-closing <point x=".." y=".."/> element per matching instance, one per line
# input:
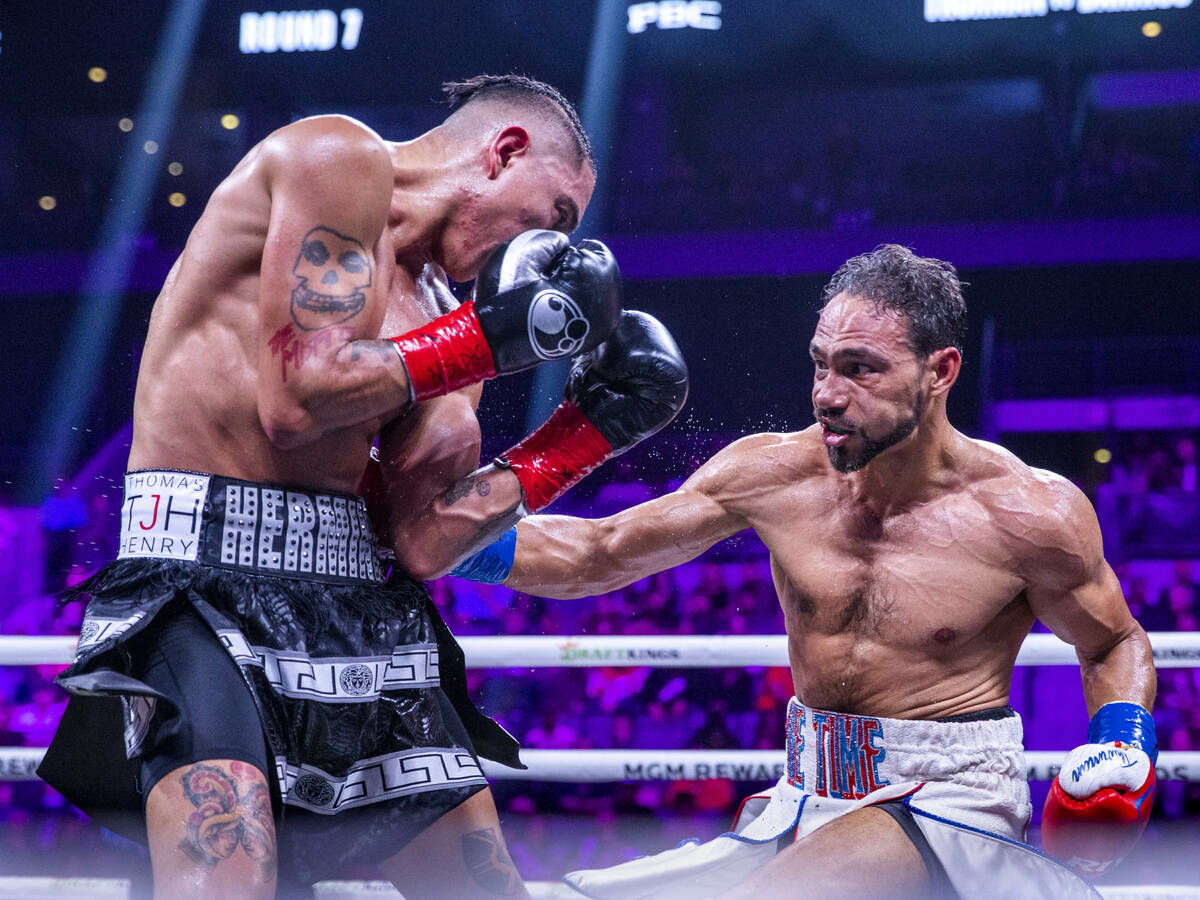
<point x="912" y="612"/>
<point x="910" y="562"/>
<point x="225" y="355"/>
<point x="264" y="361"/>
<point x="908" y="585"/>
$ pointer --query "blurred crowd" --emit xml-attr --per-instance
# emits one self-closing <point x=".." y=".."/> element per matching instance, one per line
<point x="843" y="187"/>
<point x="1145" y="464"/>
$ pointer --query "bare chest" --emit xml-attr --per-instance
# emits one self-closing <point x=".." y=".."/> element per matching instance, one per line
<point x="415" y="298"/>
<point x="932" y="579"/>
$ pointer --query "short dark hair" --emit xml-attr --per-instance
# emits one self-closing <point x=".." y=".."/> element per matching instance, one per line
<point x="926" y="291"/>
<point x="524" y="91"/>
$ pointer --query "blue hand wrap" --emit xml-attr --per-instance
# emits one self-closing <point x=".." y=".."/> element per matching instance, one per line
<point x="1127" y="723"/>
<point x="492" y="564"/>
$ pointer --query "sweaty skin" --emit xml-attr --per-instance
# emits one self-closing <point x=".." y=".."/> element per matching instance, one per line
<point x="263" y="359"/>
<point x="907" y="586"/>
<point x="264" y="362"/>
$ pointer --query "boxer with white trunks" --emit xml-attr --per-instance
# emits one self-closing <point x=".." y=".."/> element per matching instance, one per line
<point x="911" y="562"/>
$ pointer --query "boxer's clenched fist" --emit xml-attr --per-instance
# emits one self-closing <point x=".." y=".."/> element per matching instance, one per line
<point x="1098" y="805"/>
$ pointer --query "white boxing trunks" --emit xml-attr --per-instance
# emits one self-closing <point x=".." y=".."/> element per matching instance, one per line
<point x="961" y="780"/>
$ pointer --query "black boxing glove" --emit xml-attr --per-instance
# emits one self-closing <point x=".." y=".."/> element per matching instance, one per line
<point x="537" y="298"/>
<point x="622" y="392"/>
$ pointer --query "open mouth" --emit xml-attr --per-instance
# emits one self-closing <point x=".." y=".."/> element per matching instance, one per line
<point x="834" y="435"/>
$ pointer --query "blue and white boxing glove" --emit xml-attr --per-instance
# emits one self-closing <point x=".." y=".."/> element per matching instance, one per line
<point x="1098" y="805"/>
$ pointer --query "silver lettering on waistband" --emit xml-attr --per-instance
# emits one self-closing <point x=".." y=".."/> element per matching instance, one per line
<point x="341" y="522"/>
<point x="324" y="523"/>
<point x="274" y="517"/>
<point x="301" y="520"/>
<point x="355" y="562"/>
<point x="241" y="515"/>
<point x="249" y="526"/>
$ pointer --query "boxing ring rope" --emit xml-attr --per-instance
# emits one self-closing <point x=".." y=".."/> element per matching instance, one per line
<point x="1171" y="650"/>
<point x="595" y="766"/>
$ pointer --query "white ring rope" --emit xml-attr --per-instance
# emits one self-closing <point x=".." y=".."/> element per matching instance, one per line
<point x="1172" y="649"/>
<point x="20" y="764"/>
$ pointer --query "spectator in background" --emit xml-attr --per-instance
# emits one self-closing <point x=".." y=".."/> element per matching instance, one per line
<point x="34" y="723"/>
<point x="1187" y="471"/>
<point x="551" y="733"/>
<point x="1182" y="597"/>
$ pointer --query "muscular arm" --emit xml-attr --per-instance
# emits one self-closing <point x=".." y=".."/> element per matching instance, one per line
<point x="321" y="294"/>
<point x="567" y="557"/>
<point x="1075" y="592"/>
<point x="439" y="507"/>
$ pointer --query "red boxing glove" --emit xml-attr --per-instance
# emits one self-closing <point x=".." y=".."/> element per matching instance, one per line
<point x="562" y="451"/>
<point x="1098" y="805"/>
<point x="620" y="393"/>
<point x="447" y="354"/>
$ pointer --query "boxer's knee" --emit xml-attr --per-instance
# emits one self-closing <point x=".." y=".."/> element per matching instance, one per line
<point x="861" y="854"/>
<point x="211" y="832"/>
<point x="461" y="855"/>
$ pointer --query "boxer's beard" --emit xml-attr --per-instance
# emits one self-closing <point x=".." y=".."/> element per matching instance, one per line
<point x="872" y="447"/>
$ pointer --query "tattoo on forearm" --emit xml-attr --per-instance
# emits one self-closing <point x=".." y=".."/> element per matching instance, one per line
<point x="332" y="270"/>
<point x="489" y="863"/>
<point x="472" y="484"/>
<point x="298" y="350"/>
<point x="360" y="349"/>
<point x="227" y="818"/>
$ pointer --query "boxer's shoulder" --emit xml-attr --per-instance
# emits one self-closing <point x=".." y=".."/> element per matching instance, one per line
<point x="333" y="130"/>
<point x="759" y="463"/>
<point x="776" y="454"/>
<point x="1038" y="513"/>
<point x="995" y="472"/>
<point x="332" y="145"/>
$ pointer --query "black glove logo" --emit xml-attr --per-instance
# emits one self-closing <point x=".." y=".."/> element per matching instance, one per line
<point x="556" y="326"/>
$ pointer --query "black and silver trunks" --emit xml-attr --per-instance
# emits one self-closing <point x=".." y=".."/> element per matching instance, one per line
<point x="360" y="688"/>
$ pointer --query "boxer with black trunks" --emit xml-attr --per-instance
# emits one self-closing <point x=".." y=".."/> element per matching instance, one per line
<point x="911" y="562"/>
<point x="252" y="694"/>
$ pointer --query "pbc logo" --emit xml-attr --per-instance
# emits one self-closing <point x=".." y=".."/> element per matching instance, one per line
<point x="703" y="14"/>
<point x="556" y="326"/>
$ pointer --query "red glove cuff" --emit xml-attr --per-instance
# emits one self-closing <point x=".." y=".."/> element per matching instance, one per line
<point x="561" y="452"/>
<point x="447" y="354"/>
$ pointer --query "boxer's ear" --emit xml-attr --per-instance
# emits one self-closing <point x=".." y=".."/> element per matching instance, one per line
<point x="942" y="368"/>
<point x="511" y="142"/>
